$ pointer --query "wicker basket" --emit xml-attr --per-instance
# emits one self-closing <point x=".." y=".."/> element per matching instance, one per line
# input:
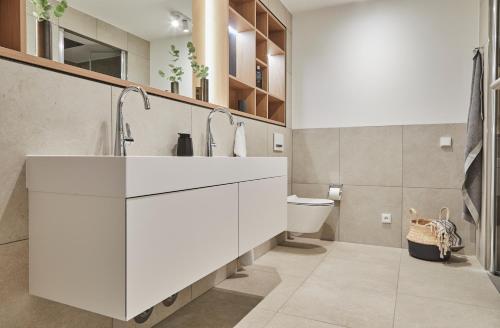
<point x="420" y="230"/>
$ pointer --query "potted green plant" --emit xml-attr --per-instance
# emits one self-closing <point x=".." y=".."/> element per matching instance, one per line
<point x="43" y="10"/>
<point x="199" y="71"/>
<point x="176" y="72"/>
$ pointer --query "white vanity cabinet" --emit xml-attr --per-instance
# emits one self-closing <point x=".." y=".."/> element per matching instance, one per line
<point x="117" y="236"/>
<point x="175" y="239"/>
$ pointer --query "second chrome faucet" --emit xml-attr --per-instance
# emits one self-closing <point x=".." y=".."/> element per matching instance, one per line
<point x="210" y="138"/>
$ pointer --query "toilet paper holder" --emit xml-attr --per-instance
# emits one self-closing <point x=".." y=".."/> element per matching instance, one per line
<point x="335" y="192"/>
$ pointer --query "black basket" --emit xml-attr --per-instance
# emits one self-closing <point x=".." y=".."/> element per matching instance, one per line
<point x="427" y="252"/>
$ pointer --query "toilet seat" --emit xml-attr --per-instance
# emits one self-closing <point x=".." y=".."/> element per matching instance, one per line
<point x="293" y="199"/>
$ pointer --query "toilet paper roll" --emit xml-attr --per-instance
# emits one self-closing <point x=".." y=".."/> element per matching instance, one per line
<point x="335" y="193"/>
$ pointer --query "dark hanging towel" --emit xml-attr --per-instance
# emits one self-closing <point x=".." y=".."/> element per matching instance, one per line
<point x="472" y="186"/>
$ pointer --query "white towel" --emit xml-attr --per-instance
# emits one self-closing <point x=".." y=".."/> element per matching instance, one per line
<point x="240" y="143"/>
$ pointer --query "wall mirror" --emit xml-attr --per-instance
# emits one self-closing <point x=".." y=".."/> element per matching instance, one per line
<point x="127" y="39"/>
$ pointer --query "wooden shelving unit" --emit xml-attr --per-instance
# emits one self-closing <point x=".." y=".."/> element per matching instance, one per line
<point x="257" y="39"/>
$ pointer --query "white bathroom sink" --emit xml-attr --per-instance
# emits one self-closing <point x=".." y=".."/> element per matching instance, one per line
<point x="134" y="176"/>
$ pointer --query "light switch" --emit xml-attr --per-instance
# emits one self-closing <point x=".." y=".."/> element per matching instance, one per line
<point x="445" y="142"/>
<point x="278" y="142"/>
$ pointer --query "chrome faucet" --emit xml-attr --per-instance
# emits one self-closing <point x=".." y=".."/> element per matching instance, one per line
<point x="210" y="138"/>
<point x="121" y="139"/>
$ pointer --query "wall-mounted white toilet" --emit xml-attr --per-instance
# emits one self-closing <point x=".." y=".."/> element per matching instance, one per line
<point x="307" y="215"/>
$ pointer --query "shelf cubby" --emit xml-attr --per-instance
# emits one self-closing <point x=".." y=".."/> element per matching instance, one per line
<point x="276" y="109"/>
<point x="246" y="8"/>
<point x="264" y="76"/>
<point x="261" y="50"/>
<point x="239" y="90"/>
<point x="277" y="33"/>
<point x="238" y="22"/>
<point x="257" y="38"/>
<point x="261" y="22"/>
<point x="261" y="103"/>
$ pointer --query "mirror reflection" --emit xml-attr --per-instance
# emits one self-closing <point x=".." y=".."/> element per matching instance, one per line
<point x="144" y="41"/>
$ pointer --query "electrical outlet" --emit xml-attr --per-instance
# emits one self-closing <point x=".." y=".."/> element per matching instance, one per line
<point x="386" y="218"/>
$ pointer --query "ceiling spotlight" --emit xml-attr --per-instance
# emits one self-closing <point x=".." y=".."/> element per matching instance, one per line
<point x="185" y="25"/>
<point x="175" y="22"/>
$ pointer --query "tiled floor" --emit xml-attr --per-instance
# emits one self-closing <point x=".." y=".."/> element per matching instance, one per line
<point x="316" y="284"/>
<point x="328" y="285"/>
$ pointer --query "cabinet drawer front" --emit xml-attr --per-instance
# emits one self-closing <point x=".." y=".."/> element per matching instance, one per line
<point x="200" y="224"/>
<point x="262" y="211"/>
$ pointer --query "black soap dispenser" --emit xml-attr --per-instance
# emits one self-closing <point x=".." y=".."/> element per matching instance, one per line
<point x="184" y="145"/>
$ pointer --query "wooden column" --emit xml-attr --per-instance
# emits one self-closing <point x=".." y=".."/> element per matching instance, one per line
<point x="210" y="37"/>
<point x="13" y="24"/>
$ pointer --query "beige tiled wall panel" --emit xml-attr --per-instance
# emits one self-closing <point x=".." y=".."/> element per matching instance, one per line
<point x="428" y="202"/>
<point x="19" y="310"/>
<point x="288" y="146"/>
<point x="256" y="137"/>
<point x="361" y="208"/>
<point x="371" y="156"/>
<point x="138" y="69"/>
<point x="155" y="131"/>
<point x="425" y="163"/>
<point x="137" y="46"/>
<point x="61" y="115"/>
<point x="79" y="22"/>
<point x="316" y="156"/>
<point x="111" y="35"/>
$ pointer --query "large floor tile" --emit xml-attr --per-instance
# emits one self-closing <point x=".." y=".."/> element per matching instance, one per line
<point x="346" y="273"/>
<point x="281" y="293"/>
<point x="252" y="282"/>
<point x="349" y="307"/>
<point x="389" y="256"/>
<point x="360" y="215"/>
<point x="257" y="318"/>
<point x="214" y="309"/>
<point x="299" y="260"/>
<point x="419" y="312"/>
<point x="371" y="156"/>
<point x="282" y="320"/>
<point x="466" y="285"/>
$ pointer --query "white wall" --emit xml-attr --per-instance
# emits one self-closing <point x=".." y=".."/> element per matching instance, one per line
<point x="384" y="62"/>
<point x="160" y="58"/>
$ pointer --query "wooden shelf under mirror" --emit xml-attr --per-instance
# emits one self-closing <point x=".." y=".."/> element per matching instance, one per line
<point x="269" y="40"/>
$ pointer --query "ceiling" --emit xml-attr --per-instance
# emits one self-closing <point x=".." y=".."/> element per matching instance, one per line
<point x="148" y="19"/>
<point x="295" y="6"/>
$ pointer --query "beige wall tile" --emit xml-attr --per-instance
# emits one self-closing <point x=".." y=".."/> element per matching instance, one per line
<point x="360" y="215"/>
<point x="111" y="35"/>
<point x="288" y="151"/>
<point x="61" y="115"/>
<point x="371" y="156"/>
<point x="330" y="230"/>
<point x="138" y="46"/>
<point x="316" y="156"/>
<point x="425" y="164"/>
<point x="256" y="137"/>
<point x="265" y="247"/>
<point x="138" y="69"/>
<point x="428" y="202"/>
<point x="79" y="22"/>
<point x="19" y="309"/>
<point x="222" y="131"/>
<point x="155" y="131"/>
